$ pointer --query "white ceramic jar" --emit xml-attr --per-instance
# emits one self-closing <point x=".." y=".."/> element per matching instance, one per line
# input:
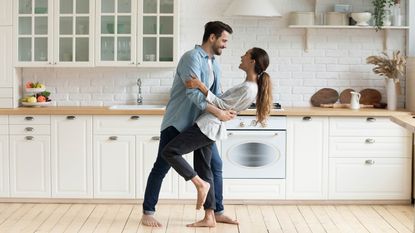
<point x="302" y="18"/>
<point x="336" y="18"/>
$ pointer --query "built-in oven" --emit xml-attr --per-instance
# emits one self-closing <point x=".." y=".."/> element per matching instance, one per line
<point x="254" y="151"/>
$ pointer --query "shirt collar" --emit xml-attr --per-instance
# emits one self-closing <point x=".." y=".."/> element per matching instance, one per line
<point x="202" y="52"/>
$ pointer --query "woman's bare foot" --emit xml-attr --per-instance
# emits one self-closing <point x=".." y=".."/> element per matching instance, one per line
<point x="225" y="219"/>
<point x="207" y="221"/>
<point x="202" y="192"/>
<point x="150" y="220"/>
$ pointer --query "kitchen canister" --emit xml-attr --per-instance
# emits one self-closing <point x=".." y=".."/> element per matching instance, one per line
<point x="302" y="18"/>
<point x="336" y="18"/>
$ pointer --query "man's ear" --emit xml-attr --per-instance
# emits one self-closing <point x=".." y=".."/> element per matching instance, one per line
<point x="212" y="37"/>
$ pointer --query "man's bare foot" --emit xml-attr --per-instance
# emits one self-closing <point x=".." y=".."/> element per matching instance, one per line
<point x="207" y="221"/>
<point x="150" y="220"/>
<point x="202" y="192"/>
<point x="225" y="219"/>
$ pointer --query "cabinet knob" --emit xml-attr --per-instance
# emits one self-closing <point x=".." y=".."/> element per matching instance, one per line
<point x="155" y="138"/>
<point x="230" y="134"/>
<point x="29" y="129"/>
<point x="132" y="63"/>
<point x="70" y="117"/>
<point x="113" y="138"/>
<point x="369" y="162"/>
<point x="370" y="119"/>
<point x="135" y="117"/>
<point x="29" y="138"/>
<point x="29" y="118"/>
<point x="370" y="140"/>
<point x="307" y="118"/>
<point x="242" y="124"/>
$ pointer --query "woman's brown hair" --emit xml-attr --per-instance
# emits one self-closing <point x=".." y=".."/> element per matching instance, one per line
<point x="264" y="96"/>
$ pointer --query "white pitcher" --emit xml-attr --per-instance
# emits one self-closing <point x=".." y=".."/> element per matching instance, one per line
<point x="354" y="101"/>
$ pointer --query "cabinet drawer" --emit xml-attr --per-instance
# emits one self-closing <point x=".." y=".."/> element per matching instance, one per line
<point x="347" y="147"/>
<point x="365" y="126"/>
<point x="29" y="119"/>
<point x="4" y="120"/>
<point x="4" y="129"/>
<point x="126" y="124"/>
<point x="30" y="129"/>
<point x="271" y="189"/>
<point x="370" y="178"/>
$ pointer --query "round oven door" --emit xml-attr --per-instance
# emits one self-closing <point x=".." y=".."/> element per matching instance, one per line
<point x="253" y="155"/>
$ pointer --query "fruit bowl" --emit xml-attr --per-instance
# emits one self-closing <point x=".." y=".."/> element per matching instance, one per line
<point x="361" y="18"/>
<point x="30" y="104"/>
<point x="35" y="90"/>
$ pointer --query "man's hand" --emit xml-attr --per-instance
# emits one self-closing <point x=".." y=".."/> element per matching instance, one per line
<point x="226" y="115"/>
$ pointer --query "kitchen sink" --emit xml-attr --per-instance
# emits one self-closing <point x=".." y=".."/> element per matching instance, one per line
<point x="137" y="107"/>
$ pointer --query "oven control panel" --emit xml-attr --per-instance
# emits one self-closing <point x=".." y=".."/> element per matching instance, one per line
<point x="250" y="123"/>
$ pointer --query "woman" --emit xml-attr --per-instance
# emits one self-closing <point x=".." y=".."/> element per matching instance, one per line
<point x="208" y="128"/>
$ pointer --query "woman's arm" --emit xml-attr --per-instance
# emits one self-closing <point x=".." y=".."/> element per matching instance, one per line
<point x="194" y="82"/>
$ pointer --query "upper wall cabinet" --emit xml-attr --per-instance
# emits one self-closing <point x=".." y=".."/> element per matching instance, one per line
<point x="136" y="33"/>
<point x="54" y="33"/>
<point x="6" y="12"/>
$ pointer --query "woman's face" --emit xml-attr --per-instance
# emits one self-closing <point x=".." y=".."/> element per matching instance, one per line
<point x="246" y="61"/>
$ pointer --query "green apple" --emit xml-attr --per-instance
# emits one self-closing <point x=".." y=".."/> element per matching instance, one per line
<point x="31" y="99"/>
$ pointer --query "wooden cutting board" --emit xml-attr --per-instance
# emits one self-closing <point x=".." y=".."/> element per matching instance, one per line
<point x="370" y="96"/>
<point x="345" y="105"/>
<point x="324" y="96"/>
<point x="345" y="96"/>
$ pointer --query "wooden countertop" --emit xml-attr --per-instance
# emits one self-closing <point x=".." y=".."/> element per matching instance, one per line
<point x="291" y="111"/>
<point x="406" y="121"/>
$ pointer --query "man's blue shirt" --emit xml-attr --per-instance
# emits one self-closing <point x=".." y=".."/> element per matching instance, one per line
<point x="185" y="105"/>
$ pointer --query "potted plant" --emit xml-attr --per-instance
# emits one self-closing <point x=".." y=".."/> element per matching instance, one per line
<point x="390" y="68"/>
<point x="379" y="13"/>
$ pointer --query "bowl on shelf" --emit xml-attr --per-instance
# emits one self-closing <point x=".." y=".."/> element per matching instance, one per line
<point x="361" y="18"/>
<point x="35" y="104"/>
<point x="35" y="90"/>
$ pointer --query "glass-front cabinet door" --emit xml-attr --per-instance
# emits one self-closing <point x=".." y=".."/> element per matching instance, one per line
<point x="34" y="32"/>
<point x="116" y="32"/>
<point x="74" y="32"/>
<point x="157" y="36"/>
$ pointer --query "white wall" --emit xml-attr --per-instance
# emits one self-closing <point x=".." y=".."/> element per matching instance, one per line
<point x="336" y="59"/>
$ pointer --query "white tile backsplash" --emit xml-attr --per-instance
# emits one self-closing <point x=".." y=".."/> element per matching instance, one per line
<point x="336" y="59"/>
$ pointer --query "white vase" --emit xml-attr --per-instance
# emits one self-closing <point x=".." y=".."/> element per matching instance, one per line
<point x="391" y="95"/>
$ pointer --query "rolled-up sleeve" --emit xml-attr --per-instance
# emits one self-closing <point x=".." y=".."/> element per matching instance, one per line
<point x="191" y="65"/>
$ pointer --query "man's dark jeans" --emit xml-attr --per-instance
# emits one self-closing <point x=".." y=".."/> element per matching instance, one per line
<point x="161" y="167"/>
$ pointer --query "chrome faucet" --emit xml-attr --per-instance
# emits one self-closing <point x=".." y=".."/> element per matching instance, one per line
<point x="139" y="96"/>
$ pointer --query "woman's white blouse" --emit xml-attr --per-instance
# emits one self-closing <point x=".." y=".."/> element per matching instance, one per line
<point x="237" y="98"/>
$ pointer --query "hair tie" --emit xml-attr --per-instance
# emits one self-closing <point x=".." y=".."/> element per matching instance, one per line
<point x="260" y="74"/>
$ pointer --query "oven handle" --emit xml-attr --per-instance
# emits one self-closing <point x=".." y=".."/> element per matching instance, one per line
<point x="261" y="133"/>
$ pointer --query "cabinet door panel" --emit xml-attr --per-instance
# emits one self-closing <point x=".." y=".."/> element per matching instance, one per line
<point x="71" y="156"/>
<point x="6" y="66"/>
<point x="307" y="159"/>
<point x="114" y="166"/>
<point x="6" y="12"/>
<point x="4" y="165"/>
<point x="30" y="166"/>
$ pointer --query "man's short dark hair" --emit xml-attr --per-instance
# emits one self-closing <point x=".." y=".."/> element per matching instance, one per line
<point x="215" y="27"/>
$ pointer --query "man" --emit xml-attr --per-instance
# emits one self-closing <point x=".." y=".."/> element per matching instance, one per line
<point x="184" y="106"/>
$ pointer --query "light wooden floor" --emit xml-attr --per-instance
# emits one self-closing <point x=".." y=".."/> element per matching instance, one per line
<point x="18" y="217"/>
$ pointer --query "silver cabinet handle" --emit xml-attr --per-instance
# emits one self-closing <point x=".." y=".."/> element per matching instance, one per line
<point x="155" y="138"/>
<point x="369" y="162"/>
<point x="29" y="138"/>
<point x="132" y="63"/>
<point x="307" y="118"/>
<point x="370" y="119"/>
<point x="29" y="118"/>
<point x="230" y="134"/>
<point x="29" y="129"/>
<point x="370" y="140"/>
<point x="70" y="117"/>
<point x="113" y="138"/>
<point x="242" y="124"/>
<point x="135" y="117"/>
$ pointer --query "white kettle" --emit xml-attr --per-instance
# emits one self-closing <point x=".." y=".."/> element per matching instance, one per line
<point x="354" y="101"/>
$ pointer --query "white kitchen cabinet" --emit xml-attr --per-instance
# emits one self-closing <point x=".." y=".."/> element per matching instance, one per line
<point x="136" y="33"/>
<point x="71" y="156"/>
<point x="147" y="149"/>
<point x="263" y="189"/>
<point x="307" y="158"/>
<point x="114" y="166"/>
<point x="370" y="158"/>
<point x="54" y="33"/>
<point x="370" y="178"/>
<point x="6" y="67"/>
<point x="30" y="166"/>
<point x="4" y="157"/>
<point x="6" y="12"/>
